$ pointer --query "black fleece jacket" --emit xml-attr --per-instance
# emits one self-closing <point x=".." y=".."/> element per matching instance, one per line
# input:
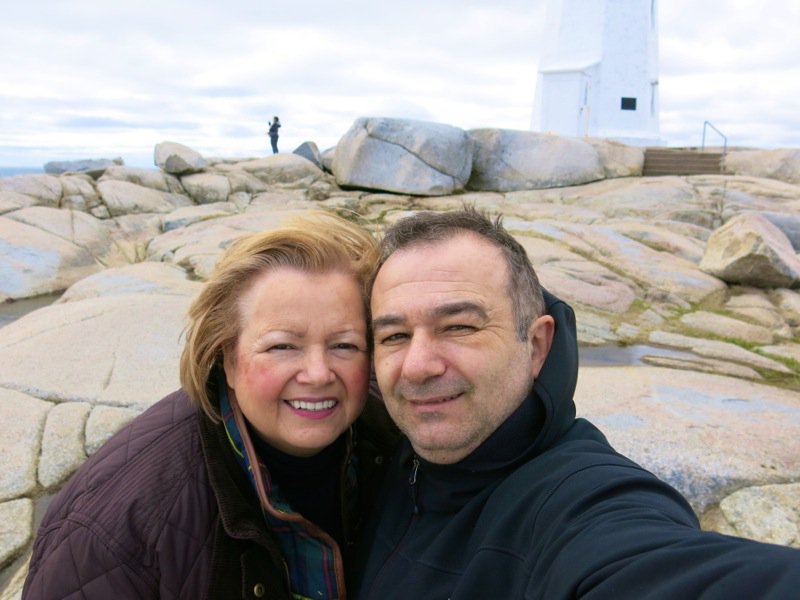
<point x="545" y="508"/>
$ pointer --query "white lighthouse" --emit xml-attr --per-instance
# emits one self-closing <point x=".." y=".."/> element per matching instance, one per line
<point x="598" y="75"/>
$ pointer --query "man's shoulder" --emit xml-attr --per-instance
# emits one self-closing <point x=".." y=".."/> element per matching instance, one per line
<point x="574" y="466"/>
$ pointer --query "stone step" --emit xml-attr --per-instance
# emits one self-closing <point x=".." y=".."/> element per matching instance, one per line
<point x="680" y="161"/>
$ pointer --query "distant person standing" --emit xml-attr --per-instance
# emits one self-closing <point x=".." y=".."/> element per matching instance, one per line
<point x="273" y="134"/>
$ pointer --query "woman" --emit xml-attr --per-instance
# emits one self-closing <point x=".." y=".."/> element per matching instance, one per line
<point x="242" y="483"/>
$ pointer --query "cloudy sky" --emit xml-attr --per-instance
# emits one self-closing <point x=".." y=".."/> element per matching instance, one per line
<point x="92" y="79"/>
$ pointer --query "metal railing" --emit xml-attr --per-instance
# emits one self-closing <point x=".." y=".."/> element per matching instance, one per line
<point x="707" y="124"/>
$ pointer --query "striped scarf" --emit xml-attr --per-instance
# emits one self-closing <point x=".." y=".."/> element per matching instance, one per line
<point x="312" y="556"/>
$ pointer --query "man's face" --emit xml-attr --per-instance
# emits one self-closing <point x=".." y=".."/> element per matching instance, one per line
<point x="448" y="361"/>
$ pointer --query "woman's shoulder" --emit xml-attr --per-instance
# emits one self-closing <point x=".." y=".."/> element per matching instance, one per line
<point x="137" y="469"/>
<point x="145" y="490"/>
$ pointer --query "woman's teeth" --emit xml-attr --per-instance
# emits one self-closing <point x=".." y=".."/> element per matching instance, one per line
<point x="314" y="406"/>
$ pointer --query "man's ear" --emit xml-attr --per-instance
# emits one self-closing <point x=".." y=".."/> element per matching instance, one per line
<point x="540" y="336"/>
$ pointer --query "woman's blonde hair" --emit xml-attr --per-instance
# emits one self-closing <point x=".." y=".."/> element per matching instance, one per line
<point x="316" y="242"/>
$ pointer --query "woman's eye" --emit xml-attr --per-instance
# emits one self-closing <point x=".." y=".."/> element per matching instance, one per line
<point x="345" y="346"/>
<point x="280" y="347"/>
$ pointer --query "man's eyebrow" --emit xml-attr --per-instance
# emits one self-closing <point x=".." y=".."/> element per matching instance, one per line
<point x="445" y="310"/>
<point x="387" y="321"/>
<point x="457" y="308"/>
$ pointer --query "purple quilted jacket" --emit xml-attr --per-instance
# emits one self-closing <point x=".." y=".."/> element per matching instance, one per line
<point x="162" y="510"/>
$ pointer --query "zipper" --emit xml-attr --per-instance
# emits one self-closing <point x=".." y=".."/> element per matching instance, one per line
<point x="412" y="481"/>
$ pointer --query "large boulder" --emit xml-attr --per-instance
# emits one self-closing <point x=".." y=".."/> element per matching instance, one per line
<point x="149" y="178"/>
<point x="92" y="166"/>
<point x="750" y="250"/>
<point x="14" y="201"/>
<point x="124" y="198"/>
<point x="782" y="164"/>
<point x="506" y="160"/>
<point x="178" y="159"/>
<point x="326" y="158"/>
<point x="42" y="259"/>
<point x="618" y="159"/>
<point x="309" y="151"/>
<point x="767" y="513"/>
<point x="788" y="223"/>
<point x="281" y="170"/>
<point x="46" y="189"/>
<point x="207" y="188"/>
<point x="79" y="193"/>
<point x="403" y="156"/>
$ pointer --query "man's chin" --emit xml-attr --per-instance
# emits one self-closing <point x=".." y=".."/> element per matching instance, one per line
<point x="440" y="450"/>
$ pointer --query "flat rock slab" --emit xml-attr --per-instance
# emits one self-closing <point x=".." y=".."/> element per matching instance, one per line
<point x="16" y="527"/>
<point x="769" y="513"/>
<point x="141" y="278"/>
<point x="63" y="442"/>
<point x="197" y="247"/>
<point x="707" y="435"/>
<point x="35" y="262"/>
<point x="23" y="420"/>
<point x="117" y="350"/>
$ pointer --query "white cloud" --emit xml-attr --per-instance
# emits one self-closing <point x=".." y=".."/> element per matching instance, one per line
<point x="95" y="79"/>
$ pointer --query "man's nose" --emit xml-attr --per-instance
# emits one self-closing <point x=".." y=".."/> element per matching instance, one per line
<point x="316" y="368"/>
<point x="422" y="359"/>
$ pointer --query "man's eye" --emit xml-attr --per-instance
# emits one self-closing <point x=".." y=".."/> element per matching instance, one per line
<point x="394" y="338"/>
<point x="458" y="327"/>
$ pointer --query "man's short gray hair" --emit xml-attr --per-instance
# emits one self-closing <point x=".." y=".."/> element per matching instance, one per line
<point x="527" y="302"/>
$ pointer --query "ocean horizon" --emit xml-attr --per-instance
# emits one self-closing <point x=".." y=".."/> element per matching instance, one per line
<point x="9" y="171"/>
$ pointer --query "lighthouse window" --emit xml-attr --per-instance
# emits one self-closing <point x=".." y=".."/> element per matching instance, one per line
<point x="628" y="104"/>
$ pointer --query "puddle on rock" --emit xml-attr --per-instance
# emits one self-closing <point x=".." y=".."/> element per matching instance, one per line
<point x="14" y="309"/>
<point x="619" y="356"/>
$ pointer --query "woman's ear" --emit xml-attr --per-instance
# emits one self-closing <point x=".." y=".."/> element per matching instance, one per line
<point x="229" y="366"/>
<point x="540" y="336"/>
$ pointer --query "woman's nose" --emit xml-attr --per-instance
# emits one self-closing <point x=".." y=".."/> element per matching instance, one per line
<point x="316" y="369"/>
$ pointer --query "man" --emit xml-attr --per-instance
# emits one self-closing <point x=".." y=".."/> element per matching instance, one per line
<point x="499" y="491"/>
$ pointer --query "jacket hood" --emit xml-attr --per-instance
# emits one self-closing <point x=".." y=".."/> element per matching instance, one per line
<point x="555" y="387"/>
<point x="548" y="411"/>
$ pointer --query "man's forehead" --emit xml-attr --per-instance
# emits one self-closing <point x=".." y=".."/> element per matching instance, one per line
<point x="446" y="256"/>
<point x="419" y="278"/>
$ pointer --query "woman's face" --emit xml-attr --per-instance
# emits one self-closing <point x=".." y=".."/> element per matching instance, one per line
<point x="300" y="367"/>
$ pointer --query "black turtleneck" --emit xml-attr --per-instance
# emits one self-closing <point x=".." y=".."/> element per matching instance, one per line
<point x="311" y="484"/>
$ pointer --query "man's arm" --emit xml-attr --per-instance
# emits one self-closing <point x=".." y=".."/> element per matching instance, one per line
<point x="633" y="536"/>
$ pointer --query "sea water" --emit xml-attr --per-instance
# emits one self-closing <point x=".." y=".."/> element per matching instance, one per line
<point x="9" y="171"/>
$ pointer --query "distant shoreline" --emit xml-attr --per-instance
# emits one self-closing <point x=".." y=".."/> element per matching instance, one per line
<point x="9" y="171"/>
